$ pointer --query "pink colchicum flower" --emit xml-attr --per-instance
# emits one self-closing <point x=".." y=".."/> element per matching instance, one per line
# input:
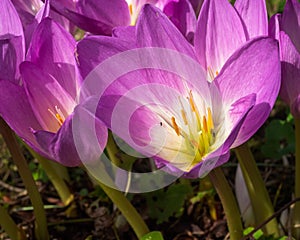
<point x="12" y="43"/>
<point x="219" y="18"/>
<point x="101" y="16"/>
<point x="41" y="110"/>
<point x="214" y="45"/>
<point x="31" y="13"/>
<point x="286" y="28"/>
<point x="198" y="120"/>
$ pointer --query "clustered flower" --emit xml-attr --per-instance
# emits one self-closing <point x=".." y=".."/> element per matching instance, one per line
<point x="208" y="76"/>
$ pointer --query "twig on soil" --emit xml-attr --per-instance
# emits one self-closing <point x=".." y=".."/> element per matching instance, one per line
<point x="12" y="188"/>
<point x="270" y="218"/>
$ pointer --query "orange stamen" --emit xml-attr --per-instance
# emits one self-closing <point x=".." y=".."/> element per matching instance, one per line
<point x="59" y="119"/>
<point x="192" y="103"/>
<point x="204" y="124"/>
<point x="210" y="121"/>
<point x="175" y="126"/>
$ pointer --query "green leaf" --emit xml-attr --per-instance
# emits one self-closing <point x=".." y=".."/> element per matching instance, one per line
<point x="257" y="235"/>
<point x="153" y="236"/>
<point x="163" y="204"/>
<point x="279" y="139"/>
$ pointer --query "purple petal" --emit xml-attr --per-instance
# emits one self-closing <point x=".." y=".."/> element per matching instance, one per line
<point x="64" y="22"/>
<point x="12" y="43"/>
<point x="154" y="29"/>
<point x="10" y="23"/>
<point x="72" y="144"/>
<point x="97" y="17"/>
<point x="290" y="64"/>
<point x="11" y="52"/>
<point x="30" y="6"/>
<point x="254" y="15"/>
<point x="125" y="33"/>
<point x="15" y="109"/>
<point x="52" y="48"/>
<point x="46" y="96"/>
<point x="93" y="50"/>
<point x="274" y="27"/>
<point x="218" y="34"/>
<point x="41" y="14"/>
<point x="290" y="21"/>
<point x="120" y="61"/>
<point x="114" y="12"/>
<point x="254" y="68"/>
<point x="182" y="14"/>
<point x="197" y="4"/>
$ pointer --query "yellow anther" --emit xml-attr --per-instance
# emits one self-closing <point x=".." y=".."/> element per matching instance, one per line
<point x="175" y="126"/>
<point x="204" y="125"/>
<point x="58" y="115"/>
<point x="210" y="121"/>
<point x="130" y="9"/>
<point x="192" y="103"/>
<point x="59" y="119"/>
<point x="217" y="73"/>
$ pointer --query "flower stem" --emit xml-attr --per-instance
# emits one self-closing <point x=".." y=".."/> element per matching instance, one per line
<point x="229" y="203"/>
<point x="9" y="226"/>
<point x="129" y="212"/>
<point x="259" y="197"/>
<point x="23" y="169"/>
<point x="57" y="175"/>
<point x="296" y="215"/>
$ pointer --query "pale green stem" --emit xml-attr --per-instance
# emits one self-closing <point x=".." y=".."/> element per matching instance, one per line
<point x="26" y="175"/>
<point x="259" y="197"/>
<point x="58" y="175"/>
<point x="129" y="212"/>
<point x="229" y="203"/>
<point x="296" y="215"/>
<point x="9" y="226"/>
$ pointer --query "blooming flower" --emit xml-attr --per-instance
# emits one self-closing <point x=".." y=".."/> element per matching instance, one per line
<point x="12" y="42"/>
<point x="188" y="125"/>
<point x="254" y="16"/>
<point x="214" y="45"/>
<point x="286" y="29"/>
<point x="41" y="110"/>
<point x="100" y="17"/>
<point x="216" y="20"/>
<point x="32" y="12"/>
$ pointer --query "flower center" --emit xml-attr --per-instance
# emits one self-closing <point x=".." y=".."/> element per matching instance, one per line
<point x="199" y="138"/>
<point x="58" y="115"/>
